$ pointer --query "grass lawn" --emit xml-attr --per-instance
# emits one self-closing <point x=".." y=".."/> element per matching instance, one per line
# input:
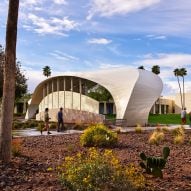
<point x="166" y="119"/>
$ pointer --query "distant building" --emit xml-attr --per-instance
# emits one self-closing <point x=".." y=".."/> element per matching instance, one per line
<point x="133" y="91"/>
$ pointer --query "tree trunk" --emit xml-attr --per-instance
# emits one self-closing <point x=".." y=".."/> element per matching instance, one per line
<point x="183" y="93"/>
<point x="180" y="93"/>
<point x="9" y="82"/>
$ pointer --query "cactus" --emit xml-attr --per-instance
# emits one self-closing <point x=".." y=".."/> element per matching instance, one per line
<point x="154" y="165"/>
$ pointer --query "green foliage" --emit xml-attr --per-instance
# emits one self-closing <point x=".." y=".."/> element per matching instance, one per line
<point x="95" y="171"/>
<point x="156" y="69"/>
<point x="25" y="124"/>
<point x="21" y="80"/>
<point x="46" y="71"/>
<point x="154" y="165"/>
<point x="166" y="119"/>
<point x="98" y="135"/>
<point x="99" y="93"/>
<point x="53" y="125"/>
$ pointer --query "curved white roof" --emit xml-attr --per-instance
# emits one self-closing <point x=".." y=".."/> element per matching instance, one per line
<point x="134" y="91"/>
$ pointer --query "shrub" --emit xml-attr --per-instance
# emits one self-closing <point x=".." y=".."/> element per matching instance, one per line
<point x="98" y="135"/>
<point x="16" y="147"/>
<point x="53" y="125"/>
<point x="138" y="129"/>
<point x="95" y="171"/>
<point x="165" y="129"/>
<point x="178" y="139"/>
<point x="79" y="126"/>
<point x="178" y="131"/>
<point x="40" y="126"/>
<point x="156" y="137"/>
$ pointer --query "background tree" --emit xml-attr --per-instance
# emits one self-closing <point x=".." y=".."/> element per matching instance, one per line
<point x="9" y="82"/>
<point x="177" y="73"/>
<point x="141" y="67"/>
<point x="21" y="81"/>
<point x="156" y="69"/>
<point x="183" y="72"/>
<point x="46" y="71"/>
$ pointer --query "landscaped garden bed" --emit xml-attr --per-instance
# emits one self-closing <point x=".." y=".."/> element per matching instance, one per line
<point x="39" y="157"/>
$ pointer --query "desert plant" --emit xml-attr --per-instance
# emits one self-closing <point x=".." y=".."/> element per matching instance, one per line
<point x="98" y="135"/>
<point x="53" y="125"/>
<point x="178" y="131"/>
<point x="138" y="128"/>
<point x="16" y="146"/>
<point x="165" y="129"/>
<point x="156" y="137"/>
<point x="154" y="165"/>
<point x="96" y="171"/>
<point x="179" y="139"/>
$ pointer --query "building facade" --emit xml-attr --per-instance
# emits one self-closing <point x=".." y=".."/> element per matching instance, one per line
<point x="133" y="91"/>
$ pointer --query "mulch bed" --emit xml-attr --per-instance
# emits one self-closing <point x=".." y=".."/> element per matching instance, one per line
<point x="29" y="171"/>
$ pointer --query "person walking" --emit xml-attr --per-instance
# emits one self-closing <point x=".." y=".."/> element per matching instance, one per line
<point x="183" y="116"/>
<point x="46" y="120"/>
<point x="60" y="120"/>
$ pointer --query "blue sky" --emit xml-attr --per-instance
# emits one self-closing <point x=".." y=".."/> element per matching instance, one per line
<point x="87" y="35"/>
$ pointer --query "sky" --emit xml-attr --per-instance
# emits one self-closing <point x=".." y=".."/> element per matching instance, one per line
<point x="88" y="35"/>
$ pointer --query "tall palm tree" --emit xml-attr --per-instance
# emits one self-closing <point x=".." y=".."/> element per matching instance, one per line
<point x="9" y="82"/>
<point x="46" y="71"/>
<point x="183" y="72"/>
<point x="177" y="74"/>
<point x="156" y="69"/>
<point x="141" y="67"/>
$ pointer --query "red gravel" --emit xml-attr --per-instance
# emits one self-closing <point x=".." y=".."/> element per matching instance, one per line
<point x="29" y="171"/>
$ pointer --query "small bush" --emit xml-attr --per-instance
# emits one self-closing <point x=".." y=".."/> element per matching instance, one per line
<point x="79" y="126"/>
<point x="16" y="147"/>
<point x="138" y="129"/>
<point x="178" y="139"/>
<point x="165" y="129"/>
<point x="98" y="135"/>
<point x="178" y="131"/>
<point x="95" y="171"/>
<point x="53" y="125"/>
<point x="156" y="137"/>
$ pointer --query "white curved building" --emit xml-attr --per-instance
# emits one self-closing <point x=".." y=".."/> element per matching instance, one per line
<point x="134" y="92"/>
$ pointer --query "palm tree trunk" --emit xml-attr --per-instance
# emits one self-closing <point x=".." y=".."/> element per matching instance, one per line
<point x="9" y="82"/>
<point x="180" y="93"/>
<point x="183" y="93"/>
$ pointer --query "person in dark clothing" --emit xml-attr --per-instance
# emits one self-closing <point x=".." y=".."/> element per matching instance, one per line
<point x="60" y="120"/>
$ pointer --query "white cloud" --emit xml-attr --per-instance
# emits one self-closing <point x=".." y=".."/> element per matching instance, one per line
<point x="51" y="26"/>
<point x="167" y="60"/>
<point x="108" y="8"/>
<point x="63" y="56"/>
<point x="156" y="37"/>
<point x="99" y="41"/>
<point x="60" y="2"/>
<point x="108" y="66"/>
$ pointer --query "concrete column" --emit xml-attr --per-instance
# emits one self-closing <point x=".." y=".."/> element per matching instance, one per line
<point x="72" y="91"/>
<point x="154" y="108"/>
<point x="164" y="109"/>
<point x="80" y="87"/>
<point x="159" y="107"/>
<point x="64" y="91"/>
<point x="57" y="88"/>
<point x="114" y="108"/>
<point x="52" y="93"/>
<point x="105" y="108"/>
<point x="43" y="96"/>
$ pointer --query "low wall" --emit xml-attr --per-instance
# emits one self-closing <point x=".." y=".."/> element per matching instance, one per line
<point x="73" y="116"/>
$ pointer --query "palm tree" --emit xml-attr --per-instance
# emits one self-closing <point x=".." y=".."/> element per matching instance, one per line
<point x="47" y="71"/>
<point x="177" y="74"/>
<point x="156" y="69"/>
<point x="183" y="72"/>
<point x="141" y="67"/>
<point x="9" y="82"/>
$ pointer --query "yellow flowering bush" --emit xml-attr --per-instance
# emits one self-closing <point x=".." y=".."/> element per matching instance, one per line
<point x="95" y="171"/>
<point x="98" y="135"/>
<point x="156" y="137"/>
